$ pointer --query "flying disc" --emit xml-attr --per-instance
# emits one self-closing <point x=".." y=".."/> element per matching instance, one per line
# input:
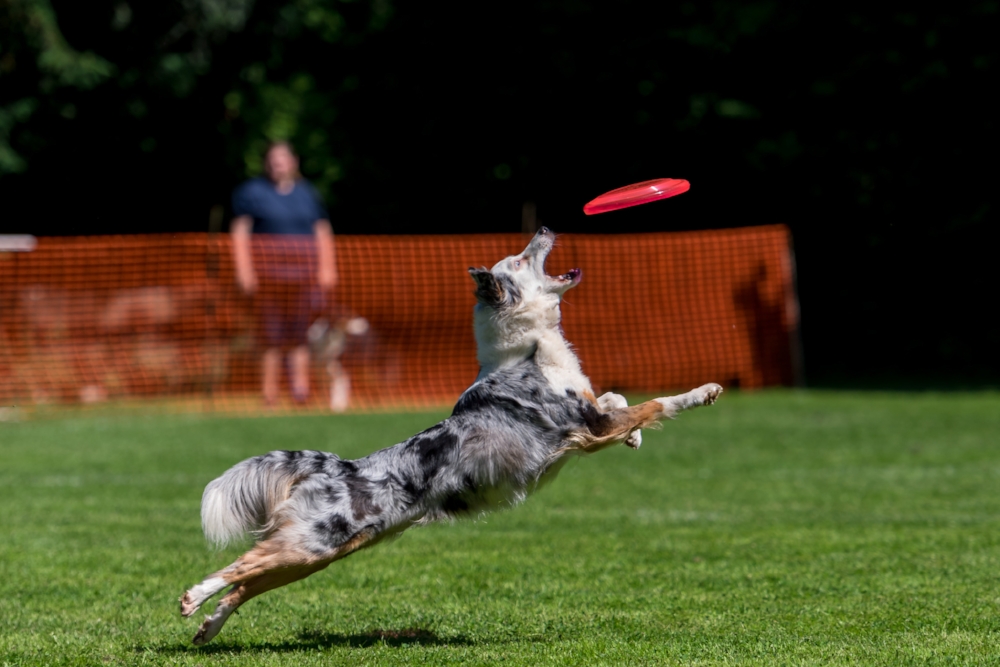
<point x="637" y="193"/>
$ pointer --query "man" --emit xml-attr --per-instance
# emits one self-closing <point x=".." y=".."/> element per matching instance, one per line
<point x="284" y="206"/>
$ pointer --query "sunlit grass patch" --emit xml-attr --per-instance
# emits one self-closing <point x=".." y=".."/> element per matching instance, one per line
<point x="774" y="528"/>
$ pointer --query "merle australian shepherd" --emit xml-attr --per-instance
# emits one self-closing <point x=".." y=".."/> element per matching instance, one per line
<point x="530" y="409"/>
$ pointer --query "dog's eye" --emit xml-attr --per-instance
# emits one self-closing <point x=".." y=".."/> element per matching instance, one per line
<point x="517" y="264"/>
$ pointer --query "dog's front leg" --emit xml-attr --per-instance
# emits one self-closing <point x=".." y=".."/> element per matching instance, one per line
<point x="706" y="394"/>
<point x="616" y="425"/>
<point x="612" y="401"/>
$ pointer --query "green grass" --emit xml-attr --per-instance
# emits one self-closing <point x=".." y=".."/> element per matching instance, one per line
<point x="776" y="528"/>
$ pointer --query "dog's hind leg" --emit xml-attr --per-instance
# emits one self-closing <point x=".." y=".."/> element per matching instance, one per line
<point x="247" y="590"/>
<point x="271" y="554"/>
<point x="269" y="565"/>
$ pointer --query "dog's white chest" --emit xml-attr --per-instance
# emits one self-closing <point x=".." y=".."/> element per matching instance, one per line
<point x="560" y="366"/>
<point x="562" y="381"/>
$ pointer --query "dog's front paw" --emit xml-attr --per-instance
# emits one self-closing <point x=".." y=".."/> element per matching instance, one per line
<point x="710" y="393"/>
<point x="634" y="439"/>
<point x="611" y="401"/>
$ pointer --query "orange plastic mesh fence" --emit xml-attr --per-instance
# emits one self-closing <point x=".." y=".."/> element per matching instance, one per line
<point x="95" y="319"/>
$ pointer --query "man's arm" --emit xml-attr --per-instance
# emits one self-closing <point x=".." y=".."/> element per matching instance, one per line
<point x="239" y="230"/>
<point x="327" y="255"/>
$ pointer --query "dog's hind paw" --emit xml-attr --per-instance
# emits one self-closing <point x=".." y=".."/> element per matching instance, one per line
<point x="204" y="634"/>
<point x="188" y="605"/>
<point x="209" y="628"/>
<point x="212" y="624"/>
<point x="710" y="393"/>
<point x="196" y="595"/>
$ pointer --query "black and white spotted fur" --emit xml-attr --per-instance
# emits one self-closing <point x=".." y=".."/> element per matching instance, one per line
<point x="530" y="408"/>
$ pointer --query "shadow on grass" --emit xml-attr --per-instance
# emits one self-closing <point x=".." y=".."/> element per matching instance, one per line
<point x="309" y="640"/>
<point x="405" y="637"/>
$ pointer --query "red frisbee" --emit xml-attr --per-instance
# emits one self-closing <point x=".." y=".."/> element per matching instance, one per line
<point x="637" y="193"/>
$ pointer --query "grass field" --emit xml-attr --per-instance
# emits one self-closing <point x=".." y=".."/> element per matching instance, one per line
<point x="775" y="528"/>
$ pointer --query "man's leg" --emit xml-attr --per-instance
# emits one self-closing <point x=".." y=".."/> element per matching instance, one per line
<point x="299" y="362"/>
<point x="271" y="374"/>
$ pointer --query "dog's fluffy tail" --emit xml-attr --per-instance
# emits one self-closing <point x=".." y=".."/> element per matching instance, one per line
<point x="244" y="499"/>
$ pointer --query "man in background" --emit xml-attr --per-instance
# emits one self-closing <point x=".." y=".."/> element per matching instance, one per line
<point x="294" y="282"/>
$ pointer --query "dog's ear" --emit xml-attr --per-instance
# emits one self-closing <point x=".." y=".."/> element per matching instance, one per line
<point x="489" y="290"/>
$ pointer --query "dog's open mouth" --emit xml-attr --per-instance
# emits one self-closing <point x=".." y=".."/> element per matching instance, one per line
<point x="538" y="251"/>
<point x="572" y="276"/>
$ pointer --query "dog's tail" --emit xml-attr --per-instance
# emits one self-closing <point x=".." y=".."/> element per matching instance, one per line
<point x="243" y="501"/>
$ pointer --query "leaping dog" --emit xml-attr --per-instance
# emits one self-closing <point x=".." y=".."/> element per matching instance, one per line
<point x="530" y="408"/>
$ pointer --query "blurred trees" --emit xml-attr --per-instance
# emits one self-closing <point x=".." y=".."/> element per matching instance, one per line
<point x="869" y="128"/>
<point x="38" y="66"/>
<point x="175" y="100"/>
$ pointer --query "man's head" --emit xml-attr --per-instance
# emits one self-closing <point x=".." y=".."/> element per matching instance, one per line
<point x="280" y="162"/>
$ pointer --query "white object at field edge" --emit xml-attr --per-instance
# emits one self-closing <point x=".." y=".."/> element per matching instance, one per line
<point x="17" y="242"/>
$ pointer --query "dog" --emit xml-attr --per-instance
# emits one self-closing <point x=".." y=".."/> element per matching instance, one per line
<point x="530" y="408"/>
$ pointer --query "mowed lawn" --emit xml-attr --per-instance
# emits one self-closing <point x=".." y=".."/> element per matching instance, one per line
<point x="776" y="528"/>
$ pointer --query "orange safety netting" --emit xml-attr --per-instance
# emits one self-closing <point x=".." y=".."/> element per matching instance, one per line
<point x="98" y="319"/>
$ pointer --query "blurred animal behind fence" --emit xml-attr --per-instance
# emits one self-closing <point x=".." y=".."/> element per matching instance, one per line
<point x="328" y="341"/>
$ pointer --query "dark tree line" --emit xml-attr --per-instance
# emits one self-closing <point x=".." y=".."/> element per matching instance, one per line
<point x="869" y="128"/>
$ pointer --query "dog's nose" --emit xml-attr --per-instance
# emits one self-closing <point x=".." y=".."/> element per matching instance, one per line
<point x="544" y="231"/>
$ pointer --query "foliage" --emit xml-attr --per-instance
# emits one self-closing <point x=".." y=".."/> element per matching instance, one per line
<point x="233" y="73"/>
<point x="30" y="28"/>
<point x="775" y="528"/>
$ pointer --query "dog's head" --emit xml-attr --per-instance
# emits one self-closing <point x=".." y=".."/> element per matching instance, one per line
<point x="520" y="280"/>
<point x="518" y="303"/>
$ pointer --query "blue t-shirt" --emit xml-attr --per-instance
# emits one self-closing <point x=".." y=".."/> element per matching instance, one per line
<point x="275" y="213"/>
